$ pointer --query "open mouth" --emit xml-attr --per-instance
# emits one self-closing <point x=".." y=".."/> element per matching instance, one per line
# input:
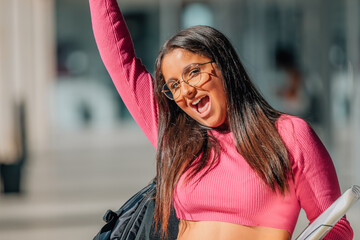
<point x="201" y="105"/>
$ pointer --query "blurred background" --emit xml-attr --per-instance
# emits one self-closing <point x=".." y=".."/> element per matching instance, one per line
<point x="69" y="150"/>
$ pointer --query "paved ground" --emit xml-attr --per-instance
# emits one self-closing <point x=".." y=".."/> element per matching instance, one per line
<point x="69" y="187"/>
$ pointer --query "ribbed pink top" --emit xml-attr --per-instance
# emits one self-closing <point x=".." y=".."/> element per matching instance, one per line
<point x="230" y="192"/>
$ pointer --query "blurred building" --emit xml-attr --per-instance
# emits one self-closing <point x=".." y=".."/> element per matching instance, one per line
<point x="322" y="38"/>
<point x="50" y="62"/>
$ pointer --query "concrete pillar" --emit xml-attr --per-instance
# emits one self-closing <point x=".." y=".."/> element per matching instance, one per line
<point x="169" y="18"/>
<point x="315" y="59"/>
<point x="8" y="98"/>
<point x="353" y="53"/>
<point x="44" y="67"/>
<point x="27" y="56"/>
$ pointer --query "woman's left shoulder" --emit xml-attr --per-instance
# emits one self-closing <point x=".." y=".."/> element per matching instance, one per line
<point x="292" y="126"/>
<point x="286" y="120"/>
<point x="298" y="136"/>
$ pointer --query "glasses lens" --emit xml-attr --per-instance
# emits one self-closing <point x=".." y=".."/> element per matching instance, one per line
<point x="192" y="75"/>
<point x="171" y="89"/>
<point x="167" y="92"/>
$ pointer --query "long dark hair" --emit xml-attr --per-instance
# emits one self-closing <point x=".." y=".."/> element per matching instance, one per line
<point x="250" y="118"/>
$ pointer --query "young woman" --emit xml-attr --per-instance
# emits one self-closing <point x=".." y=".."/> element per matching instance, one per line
<point x="231" y="165"/>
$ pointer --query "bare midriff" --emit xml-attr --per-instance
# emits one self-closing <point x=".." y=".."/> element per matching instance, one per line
<point x="211" y="230"/>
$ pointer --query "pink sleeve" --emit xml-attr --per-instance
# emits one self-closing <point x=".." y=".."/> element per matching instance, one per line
<point x="131" y="79"/>
<point x="315" y="178"/>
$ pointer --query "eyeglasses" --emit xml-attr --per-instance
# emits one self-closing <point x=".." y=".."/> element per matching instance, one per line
<point x="193" y="75"/>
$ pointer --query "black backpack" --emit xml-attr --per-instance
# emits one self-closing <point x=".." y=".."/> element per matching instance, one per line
<point x="134" y="220"/>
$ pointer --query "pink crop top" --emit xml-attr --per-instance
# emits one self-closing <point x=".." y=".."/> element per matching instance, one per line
<point x="231" y="191"/>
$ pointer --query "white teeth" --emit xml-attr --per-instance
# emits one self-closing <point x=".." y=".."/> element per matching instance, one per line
<point x="197" y="101"/>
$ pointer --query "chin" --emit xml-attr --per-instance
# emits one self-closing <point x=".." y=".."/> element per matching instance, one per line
<point x="215" y="125"/>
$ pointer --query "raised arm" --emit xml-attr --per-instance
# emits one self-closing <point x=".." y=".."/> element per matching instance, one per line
<point x="315" y="177"/>
<point x="131" y="79"/>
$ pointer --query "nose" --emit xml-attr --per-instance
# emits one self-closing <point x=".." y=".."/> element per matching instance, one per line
<point x="187" y="90"/>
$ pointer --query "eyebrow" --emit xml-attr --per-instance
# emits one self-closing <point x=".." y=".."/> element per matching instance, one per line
<point x="171" y="79"/>
<point x="175" y="79"/>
